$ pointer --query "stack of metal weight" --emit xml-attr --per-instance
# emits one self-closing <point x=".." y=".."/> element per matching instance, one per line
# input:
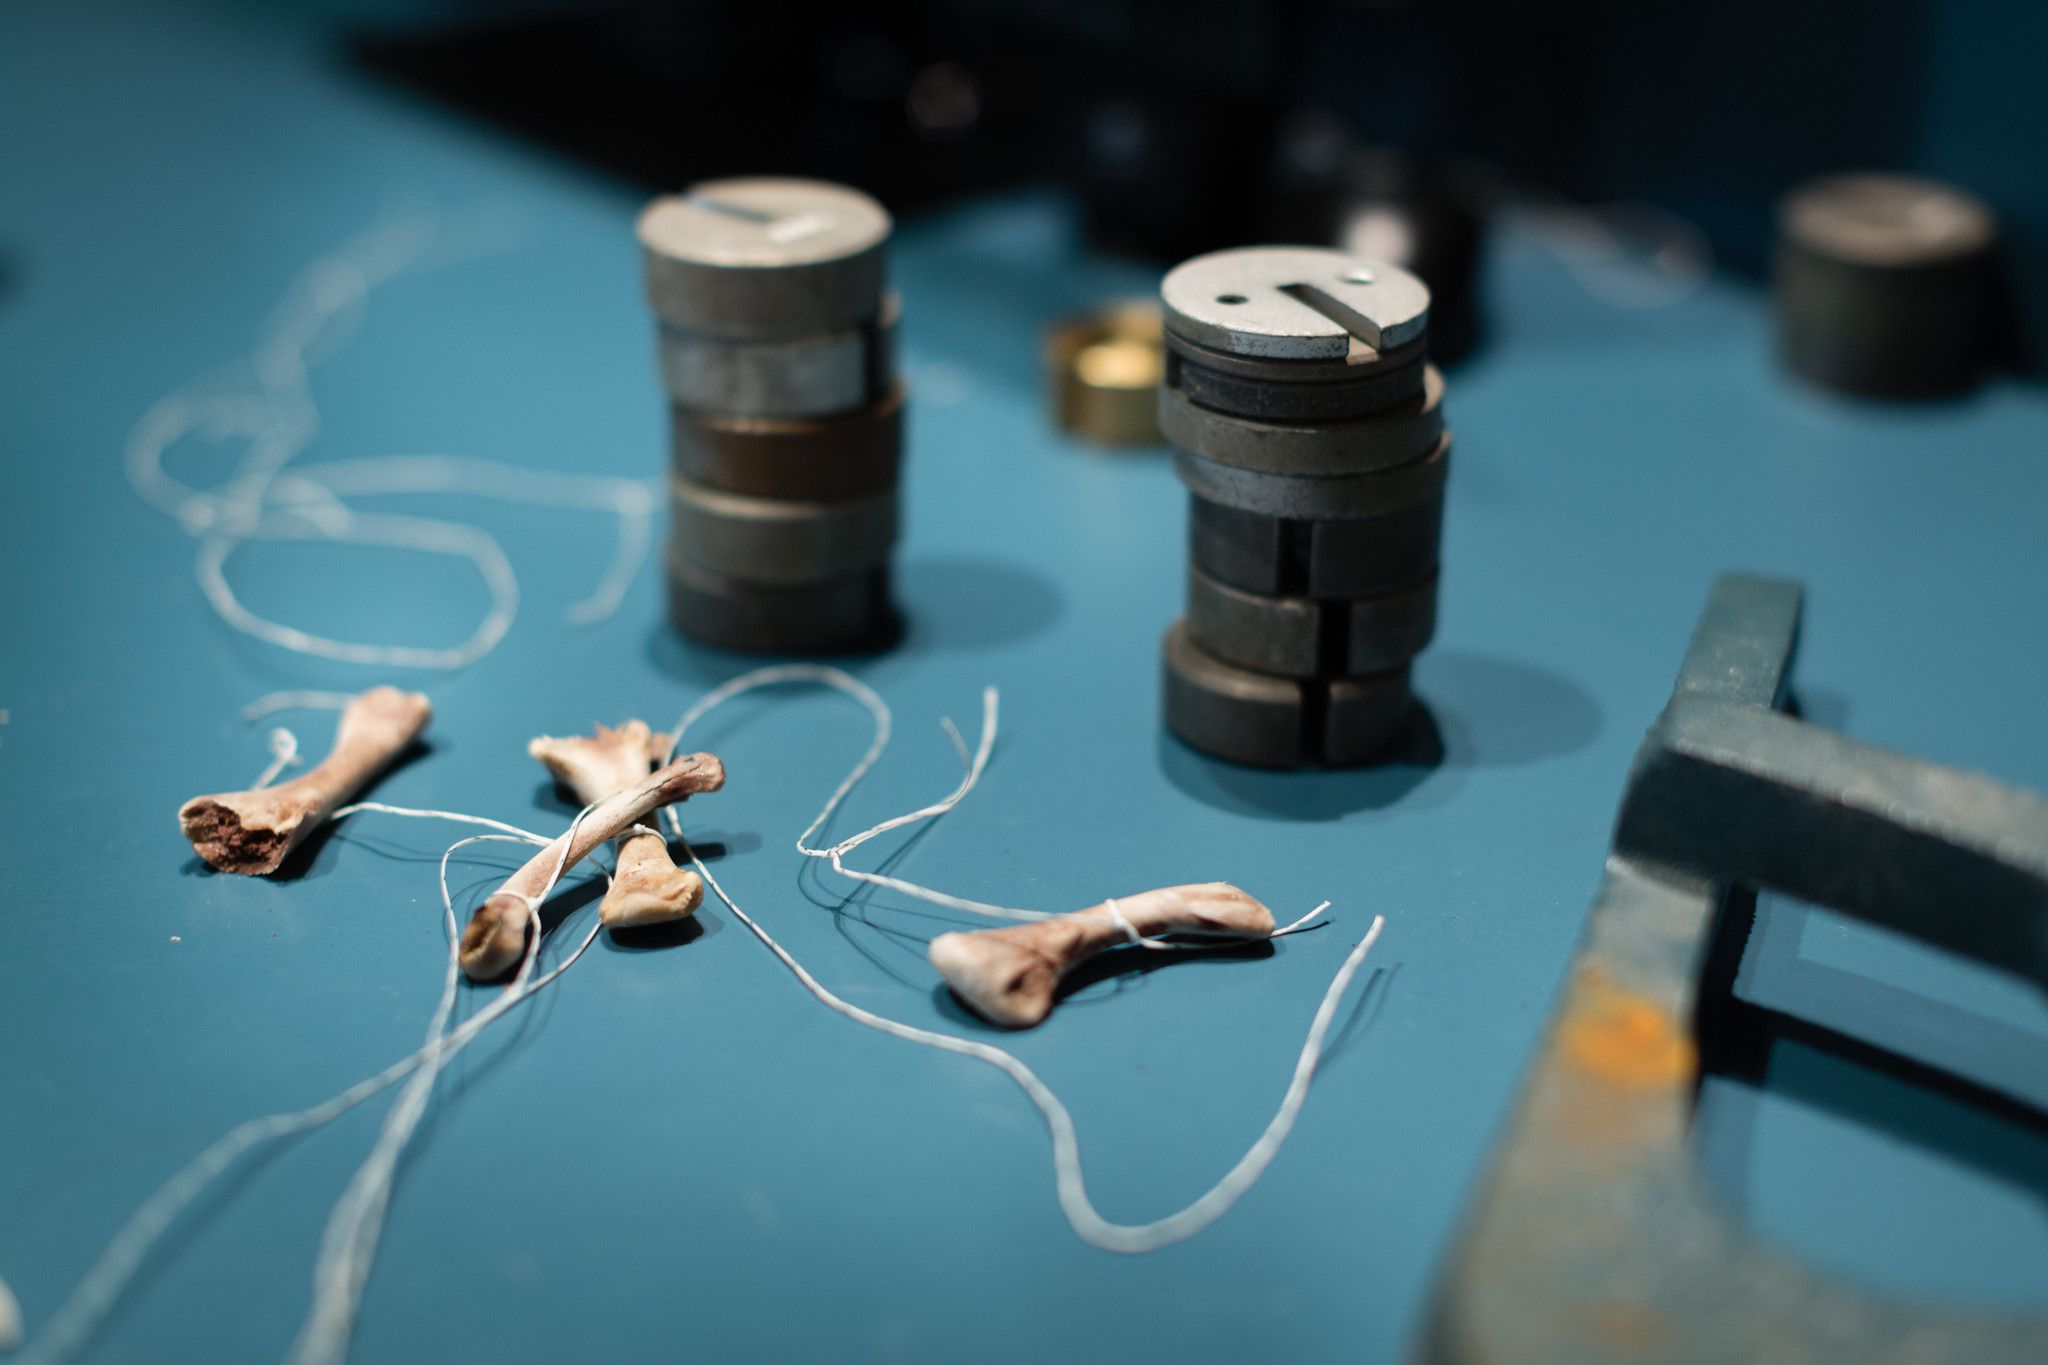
<point x="1310" y="433"/>
<point x="776" y="333"/>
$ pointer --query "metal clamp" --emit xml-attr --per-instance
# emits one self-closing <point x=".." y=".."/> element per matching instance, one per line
<point x="1594" y="1238"/>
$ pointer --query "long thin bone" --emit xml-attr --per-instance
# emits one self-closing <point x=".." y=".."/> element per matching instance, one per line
<point x="647" y="886"/>
<point x="252" y="832"/>
<point x="496" y="936"/>
<point x="1010" y="975"/>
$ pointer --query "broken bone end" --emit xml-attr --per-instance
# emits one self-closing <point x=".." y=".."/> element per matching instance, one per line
<point x="495" y="938"/>
<point x="235" y="834"/>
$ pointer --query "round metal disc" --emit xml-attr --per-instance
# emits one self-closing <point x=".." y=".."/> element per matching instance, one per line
<point x="852" y="613"/>
<point x="1295" y="303"/>
<point x="812" y="376"/>
<point x="1297" y="497"/>
<point x="1364" y="716"/>
<point x="779" y="540"/>
<point x="1357" y="366"/>
<point x="765" y="257"/>
<point x="1885" y="285"/>
<point x="1230" y="712"/>
<point x="822" y="459"/>
<point x="1888" y="220"/>
<point x="1267" y="722"/>
<point x="1373" y="391"/>
<point x="1354" y="558"/>
<point x="1302" y="637"/>
<point x="1359" y="446"/>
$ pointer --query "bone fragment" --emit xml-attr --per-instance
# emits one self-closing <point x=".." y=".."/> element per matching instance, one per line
<point x="252" y="832"/>
<point x="1010" y="975"/>
<point x="496" y="936"/>
<point x="647" y="886"/>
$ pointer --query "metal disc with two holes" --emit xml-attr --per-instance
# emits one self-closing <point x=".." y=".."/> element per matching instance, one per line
<point x="780" y="540"/>
<point x="765" y="258"/>
<point x="1293" y="303"/>
<point x="812" y="376"/>
<point x="1301" y="497"/>
<point x="1302" y="637"/>
<point x="843" y="614"/>
<point x="1405" y="432"/>
<point x="1271" y="722"/>
<point x="824" y="459"/>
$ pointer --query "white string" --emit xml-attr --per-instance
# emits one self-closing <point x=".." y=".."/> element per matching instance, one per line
<point x="284" y="752"/>
<point x="267" y="400"/>
<point x="348" y="1244"/>
<point x="1069" y="1183"/>
<point x="822" y="674"/>
<point x="83" y="1313"/>
<point x="1632" y="255"/>
<point x="297" y="700"/>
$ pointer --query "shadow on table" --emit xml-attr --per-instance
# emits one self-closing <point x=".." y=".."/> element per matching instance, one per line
<point x="947" y="602"/>
<point x="1125" y="968"/>
<point x="1473" y="711"/>
<point x="963" y="602"/>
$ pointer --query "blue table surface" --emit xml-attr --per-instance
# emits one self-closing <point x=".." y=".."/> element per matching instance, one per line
<point x="678" y="1152"/>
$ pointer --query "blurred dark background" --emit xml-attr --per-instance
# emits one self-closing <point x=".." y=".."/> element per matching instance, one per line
<point x="1192" y="124"/>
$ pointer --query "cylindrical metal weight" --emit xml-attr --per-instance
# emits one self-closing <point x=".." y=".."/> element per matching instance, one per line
<point x="1396" y="436"/>
<point x="1271" y="722"/>
<point x="843" y="614"/>
<point x="823" y="459"/>
<point x="808" y="377"/>
<point x="764" y="258"/>
<point x="1885" y="285"/>
<point x="1293" y="497"/>
<point x="1302" y="637"/>
<point x="779" y="540"/>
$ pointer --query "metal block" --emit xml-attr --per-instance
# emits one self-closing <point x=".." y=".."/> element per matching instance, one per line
<point x="1300" y="637"/>
<point x="853" y="613"/>
<point x="850" y="455"/>
<point x="1401" y="434"/>
<point x="813" y="376"/>
<point x="1295" y="497"/>
<point x="1271" y="722"/>
<point x="1293" y="303"/>
<point x="1277" y="557"/>
<point x="1593" y="1216"/>
<point x="765" y="259"/>
<point x="780" y="541"/>
<point x="1885" y="285"/>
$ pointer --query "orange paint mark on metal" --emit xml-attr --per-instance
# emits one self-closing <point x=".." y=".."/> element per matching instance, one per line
<point x="1623" y="1038"/>
<point x="1636" y="1330"/>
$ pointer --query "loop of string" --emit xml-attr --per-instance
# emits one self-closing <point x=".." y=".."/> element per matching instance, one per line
<point x="362" y="1206"/>
<point x="350" y="1238"/>
<point x="284" y="753"/>
<point x="266" y="400"/>
<point x="1070" y="1185"/>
